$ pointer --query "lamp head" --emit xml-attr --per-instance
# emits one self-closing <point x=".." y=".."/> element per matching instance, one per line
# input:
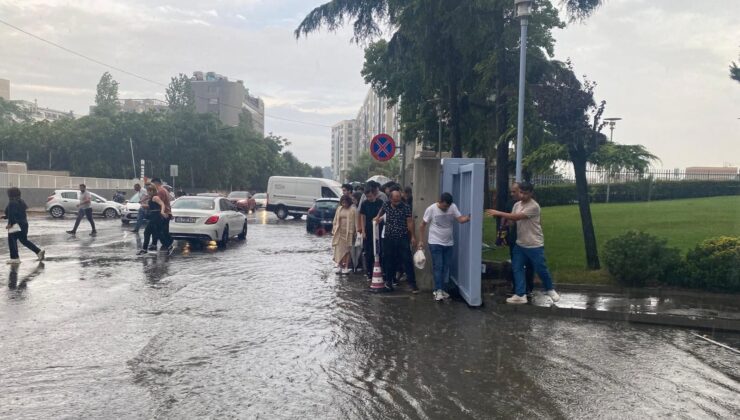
<point x="523" y="8"/>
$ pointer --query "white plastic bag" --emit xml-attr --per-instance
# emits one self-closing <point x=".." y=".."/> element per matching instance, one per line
<point x="420" y="259"/>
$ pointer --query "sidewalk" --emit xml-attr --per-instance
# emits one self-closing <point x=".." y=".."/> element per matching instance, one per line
<point x="676" y="308"/>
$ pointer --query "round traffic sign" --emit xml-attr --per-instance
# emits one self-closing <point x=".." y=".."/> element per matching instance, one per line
<point x="382" y="147"/>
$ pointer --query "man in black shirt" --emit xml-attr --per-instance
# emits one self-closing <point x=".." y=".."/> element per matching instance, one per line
<point x="399" y="238"/>
<point x="368" y="211"/>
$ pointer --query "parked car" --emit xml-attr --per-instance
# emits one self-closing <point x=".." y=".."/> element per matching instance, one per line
<point x="242" y="200"/>
<point x="260" y="199"/>
<point x="321" y="215"/>
<point x="66" y="201"/>
<point x="294" y="196"/>
<point x="130" y="211"/>
<point x="207" y="219"/>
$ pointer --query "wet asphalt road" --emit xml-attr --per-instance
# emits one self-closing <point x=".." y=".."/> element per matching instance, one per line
<point x="264" y="329"/>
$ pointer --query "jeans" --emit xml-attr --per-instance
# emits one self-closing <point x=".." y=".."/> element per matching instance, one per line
<point x="21" y="236"/>
<point x="88" y="213"/>
<point x="534" y="257"/>
<point x="441" y="258"/>
<point x="140" y="219"/>
<point x="397" y="252"/>
<point x="528" y="271"/>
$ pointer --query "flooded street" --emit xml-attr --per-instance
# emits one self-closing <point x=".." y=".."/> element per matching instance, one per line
<point x="264" y="329"/>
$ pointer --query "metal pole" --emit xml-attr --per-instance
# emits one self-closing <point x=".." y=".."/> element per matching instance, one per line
<point x="520" y="116"/>
<point x="133" y="161"/>
<point x="439" y="139"/>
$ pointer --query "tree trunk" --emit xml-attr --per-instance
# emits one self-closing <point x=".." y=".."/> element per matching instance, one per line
<point x="502" y="175"/>
<point x="584" y="206"/>
<point x="455" y="121"/>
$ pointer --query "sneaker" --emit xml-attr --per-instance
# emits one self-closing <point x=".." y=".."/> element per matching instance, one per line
<point x="516" y="299"/>
<point x="445" y="294"/>
<point x="14" y="261"/>
<point x="438" y="295"/>
<point x="94" y="233"/>
<point x="152" y="247"/>
<point x="171" y="249"/>
<point x="346" y="271"/>
<point x="71" y="232"/>
<point x="553" y="295"/>
<point x="142" y="252"/>
<point x="41" y="255"/>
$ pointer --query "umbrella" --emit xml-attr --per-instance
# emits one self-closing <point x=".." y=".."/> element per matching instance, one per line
<point x="355" y="253"/>
<point x="380" y="179"/>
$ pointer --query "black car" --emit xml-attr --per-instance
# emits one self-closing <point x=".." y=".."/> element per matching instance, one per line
<point x="321" y="215"/>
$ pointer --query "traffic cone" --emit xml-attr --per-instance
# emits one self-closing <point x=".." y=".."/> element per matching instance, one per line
<point x="377" y="282"/>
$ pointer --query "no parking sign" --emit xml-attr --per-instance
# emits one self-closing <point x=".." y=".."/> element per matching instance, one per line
<point x="382" y="147"/>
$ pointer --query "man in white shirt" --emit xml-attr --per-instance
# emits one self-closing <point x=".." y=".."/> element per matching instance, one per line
<point x="530" y="244"/>
<point x="85" y="211"/>
<point x="440" y="217"/>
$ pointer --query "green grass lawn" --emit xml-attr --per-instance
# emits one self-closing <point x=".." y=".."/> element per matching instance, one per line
<point x="684" y="223"/>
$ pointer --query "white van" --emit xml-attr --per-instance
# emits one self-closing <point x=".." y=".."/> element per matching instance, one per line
<point x="294" y="196"/>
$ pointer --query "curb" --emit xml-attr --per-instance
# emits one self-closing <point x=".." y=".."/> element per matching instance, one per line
<point x="704" y="323"/>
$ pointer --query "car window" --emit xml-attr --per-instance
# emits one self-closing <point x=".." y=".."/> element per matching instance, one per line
<point x="69" y="195"/>
<point x="96" y="197"/>
<point x="238" y="194"/>
<point x="135" y="198"/>
<point x="194" y="204"/>
<point x="326" y="205"/>
<point x="326" y="192"/>
<point x="260" y="196"/>
<point x="225" y="205"/>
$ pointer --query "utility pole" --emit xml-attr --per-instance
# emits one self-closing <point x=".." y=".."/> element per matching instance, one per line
<point x="523" y="10"/>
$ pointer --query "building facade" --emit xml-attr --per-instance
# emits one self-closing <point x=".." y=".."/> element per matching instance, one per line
<point x="218" y="95"/>
<point x="5" y="89"/>
<point x="38" y="113"/>
<point x="344" y="148"/>
<point x="142" y="105"/>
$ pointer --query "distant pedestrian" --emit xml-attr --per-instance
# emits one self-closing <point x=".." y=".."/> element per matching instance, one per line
<point x="155" y="215"/>
<point x="356" y="197"/>
<point x="530" y="244"/>
<point x="440" y="217"/>
<point x="84" y="210"/>
<point x="17" y="227"/>
<point x="344" y="229"/>
<point x="164" y="233"/>
<point x="142" y="198"/>
<point x="367" y="212"/>
<point x="347" y="190"/>
<point x="511" y="241"/>
<point x="375" y="187"/>
<point x="399" y="238"/>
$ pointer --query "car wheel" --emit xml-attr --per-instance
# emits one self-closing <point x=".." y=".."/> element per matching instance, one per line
<point x="243" y="235"/>
<point x="282" y="213"/>
<point x="57" y="212"/>
<point x="110" y="213"/>
<point x="224" y="238"/>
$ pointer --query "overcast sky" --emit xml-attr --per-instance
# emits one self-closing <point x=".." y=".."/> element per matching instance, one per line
<point x="662" y="65"/>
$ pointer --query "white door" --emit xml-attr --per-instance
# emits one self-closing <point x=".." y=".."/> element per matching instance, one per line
<point x="70" y="200"/>
<point x="98" y="203"/>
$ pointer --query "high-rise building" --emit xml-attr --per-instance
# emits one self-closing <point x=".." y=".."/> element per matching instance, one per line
<point x="370" y="124"/>
<point x="5" y="89"/>
<point x="344" y="148"/>
<point x="214" y="93"/>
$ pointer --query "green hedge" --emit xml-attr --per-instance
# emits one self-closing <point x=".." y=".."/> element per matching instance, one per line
<point x="556" y="195"/>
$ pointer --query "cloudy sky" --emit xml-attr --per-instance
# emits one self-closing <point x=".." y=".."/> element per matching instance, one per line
<point x="662" y="65"/>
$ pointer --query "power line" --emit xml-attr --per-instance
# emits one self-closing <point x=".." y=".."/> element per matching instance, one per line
<point x="146" y="79"/>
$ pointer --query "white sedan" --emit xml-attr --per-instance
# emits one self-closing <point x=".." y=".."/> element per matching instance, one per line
<point x="207" y="219"/>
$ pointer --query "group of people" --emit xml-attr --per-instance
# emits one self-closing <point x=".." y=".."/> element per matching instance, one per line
<point x="391" y="209"/>
<point x="155" y="212"/>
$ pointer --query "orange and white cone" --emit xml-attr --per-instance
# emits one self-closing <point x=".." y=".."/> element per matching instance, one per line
<point x="377" y="284"/>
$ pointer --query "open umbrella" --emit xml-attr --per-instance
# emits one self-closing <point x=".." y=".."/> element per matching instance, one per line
<point x="380" y="179"/>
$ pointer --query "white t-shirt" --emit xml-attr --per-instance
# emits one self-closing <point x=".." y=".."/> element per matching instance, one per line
<point x="441" y="224"/>
<point x="529" y="230"/>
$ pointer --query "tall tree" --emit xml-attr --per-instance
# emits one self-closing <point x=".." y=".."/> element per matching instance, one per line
<point x="573" y="119"/>
<point x="179" y="94"/>
<point x="106" y="97"/>
<point x="734" y="72"/>
<point x="615" y="158"/>
<point x="10" y="112"/>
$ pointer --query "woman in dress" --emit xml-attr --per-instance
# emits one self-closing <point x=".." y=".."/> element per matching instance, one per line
<point x="344" y="229"/>
<point x="17" y="226"/>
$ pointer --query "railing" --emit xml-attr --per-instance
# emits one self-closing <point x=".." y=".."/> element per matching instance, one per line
<point x="63" y="182"/>
<point x="602" y="177"/>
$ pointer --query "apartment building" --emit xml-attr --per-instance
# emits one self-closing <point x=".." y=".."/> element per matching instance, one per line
<point x="218" y="95"/>
<point x="344" y="148"/>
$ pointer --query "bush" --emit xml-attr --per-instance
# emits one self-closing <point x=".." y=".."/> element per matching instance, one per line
<point x="714" y="265"/>
<point x="637" y="258"/>
<point x="643" y="190"/>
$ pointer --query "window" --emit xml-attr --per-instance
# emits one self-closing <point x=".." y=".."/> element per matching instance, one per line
<point x="69" y="195"/>
<point x="326" y="192"/>
<point x="225" y="205"/>
<point x="194" y="204"/>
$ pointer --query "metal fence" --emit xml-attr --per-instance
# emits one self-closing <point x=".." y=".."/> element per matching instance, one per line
<point x="602" y="177"/>
<point x="63" y="182"/>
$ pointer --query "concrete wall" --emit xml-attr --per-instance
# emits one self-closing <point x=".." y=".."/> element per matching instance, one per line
<point x="426" y="181"/>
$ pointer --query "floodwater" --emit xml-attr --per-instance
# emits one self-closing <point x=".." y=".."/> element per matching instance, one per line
<point x="265" y="330"/>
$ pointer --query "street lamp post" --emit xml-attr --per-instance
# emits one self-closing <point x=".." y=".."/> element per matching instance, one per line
<point x="612" y="123"/>
<point x="523" y="10"/>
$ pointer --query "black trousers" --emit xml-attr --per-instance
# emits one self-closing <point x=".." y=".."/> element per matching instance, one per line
<point x="152" y="231"/>
<point x="88" y="213"/>
<point x="397" y="252"/>
<point x="21" y="236"/>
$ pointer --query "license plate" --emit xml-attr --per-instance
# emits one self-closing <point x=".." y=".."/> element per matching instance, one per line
<point x="180" y="219"/>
